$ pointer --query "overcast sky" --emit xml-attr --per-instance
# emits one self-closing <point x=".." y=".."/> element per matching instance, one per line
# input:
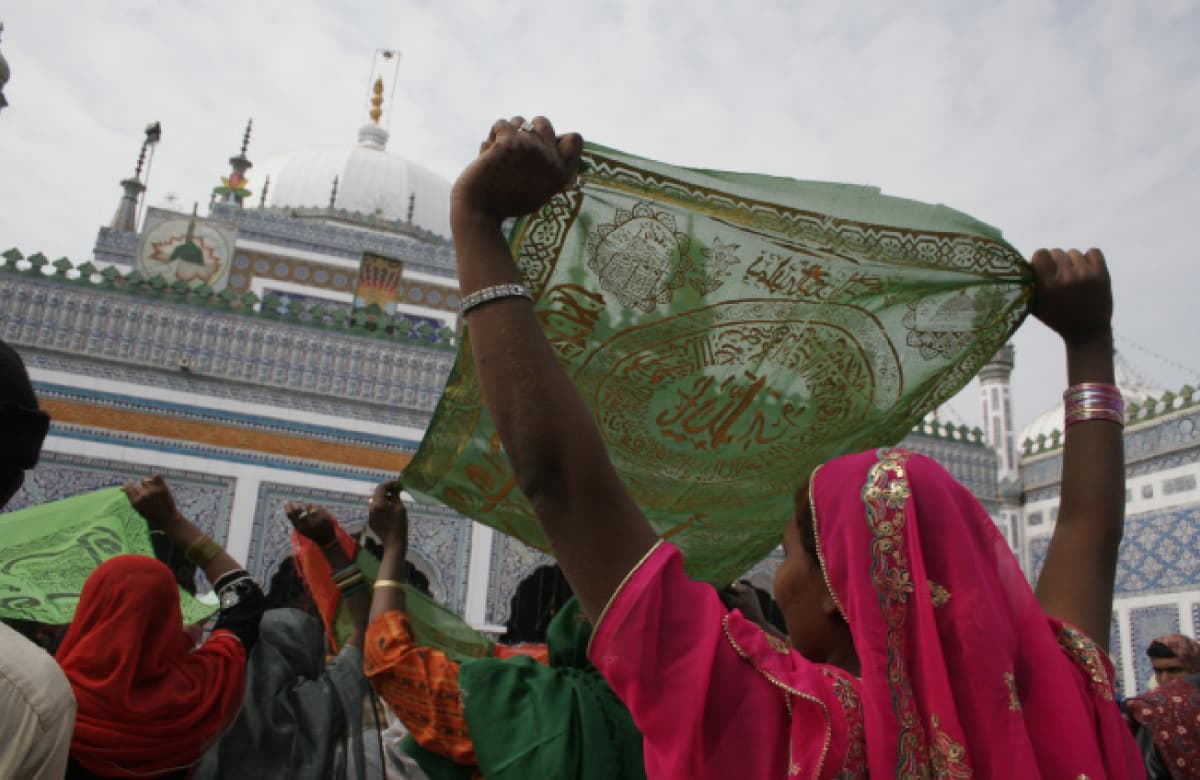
<point x="1063" y="124"/>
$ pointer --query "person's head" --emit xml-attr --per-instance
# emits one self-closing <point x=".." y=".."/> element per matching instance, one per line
<point x="136" y="598"/>
<point x="815" y="624"/>
<point x="1173" y="656"/>
<point x="24" y="424"/>
<point x="537" y="600"/>
<point x="287" y="589"/>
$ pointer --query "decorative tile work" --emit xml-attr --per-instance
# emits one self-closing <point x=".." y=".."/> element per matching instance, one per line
<point x="1037" y="556"/>
<point x="1114" y="652"/>
<point x="1145" y="624"/>
<point x="216" y="345"/>
<point x="248" y="266"/>
<point x="115" y="246"/>
<point x="439" y="541"/>
<point x="973" y="465"/>
<point x="313" y="232"/>
<point x="204" y="498"/>
<point x="1181" y="484"/>
<point x="191" y="383"/>
<point x="511" y="562"/>
<point x="1160" y="552"/>
<point x="214" y="415"/>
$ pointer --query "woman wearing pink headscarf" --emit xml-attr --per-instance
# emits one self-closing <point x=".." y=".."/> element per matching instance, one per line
<point x="917" y="647"/>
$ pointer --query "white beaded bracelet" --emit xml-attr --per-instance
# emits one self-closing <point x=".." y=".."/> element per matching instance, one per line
<point x="495" y="292"/>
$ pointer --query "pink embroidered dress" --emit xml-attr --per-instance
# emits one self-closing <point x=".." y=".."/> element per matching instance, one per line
<point x="963" y="675"/>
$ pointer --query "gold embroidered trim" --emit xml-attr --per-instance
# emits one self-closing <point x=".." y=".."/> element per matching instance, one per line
<point x="617" y="592"/>
<point x="938" y="595"/>
<point x="1014" y="701"/>
<point x="793" y="767"/>
<point x="949" y="758"/>
<point x="1087" y="655"/>
<point x="812" y="507"/>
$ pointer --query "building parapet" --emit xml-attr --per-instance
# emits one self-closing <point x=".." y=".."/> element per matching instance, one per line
<point x="370" y="322"/>
<point x="1153" y="410"/>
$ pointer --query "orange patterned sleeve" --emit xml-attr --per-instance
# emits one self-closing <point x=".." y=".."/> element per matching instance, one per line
<point x="420" y="684"/>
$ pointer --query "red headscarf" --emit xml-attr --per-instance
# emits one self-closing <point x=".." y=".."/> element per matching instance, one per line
<point x="147" y="704"/>
<point x="1186" y="649"/>
<point x="1171" y="715"/>
<point x="963" y="675"/>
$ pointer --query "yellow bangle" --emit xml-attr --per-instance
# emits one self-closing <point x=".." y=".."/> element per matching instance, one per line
<point x="202" y="551"/>
<point x="388" y="584"/>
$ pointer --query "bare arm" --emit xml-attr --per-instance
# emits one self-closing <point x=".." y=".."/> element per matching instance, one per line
<point x="152" y="499"/>
<point x="316" y="523"/>
<point x="596" y="530"/>
<point x="1076" y="584"/>
<point x="389" y="520"/>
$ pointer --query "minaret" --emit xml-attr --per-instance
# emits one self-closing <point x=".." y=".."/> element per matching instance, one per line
<point x="4" y="74"/>
<point x="994" y="384"/>
<point x="994" y="387"/>
<point x="125" y="218"/>
<point x="233" y="187"/>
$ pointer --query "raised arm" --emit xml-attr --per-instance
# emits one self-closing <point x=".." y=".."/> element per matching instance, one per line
<point x="315" y="523"/>
<point x="389" y="520"/>
<point x="597" y="532"/>
<point x="151" y="497"/>
<point x="1074" y="298"/>
<point x="242" y="601"/>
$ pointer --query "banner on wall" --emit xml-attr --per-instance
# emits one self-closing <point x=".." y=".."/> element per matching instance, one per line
<point x="380" y="282"/>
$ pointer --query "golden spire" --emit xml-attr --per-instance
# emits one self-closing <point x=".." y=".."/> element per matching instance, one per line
<point x="377" y="100"/>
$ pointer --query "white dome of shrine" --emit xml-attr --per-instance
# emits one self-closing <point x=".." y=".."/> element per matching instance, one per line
<point x="370" y="180"/>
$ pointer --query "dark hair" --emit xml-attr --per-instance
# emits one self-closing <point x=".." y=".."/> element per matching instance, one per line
<point x="1159" y="650"/>
<point x="417" y="578"/>
<point x="768" y="606"/>
<point x="183" y="569"/>
<point x="805" y="522"/>
<point x="288" y="590"/>
<point x="537" y="600"/>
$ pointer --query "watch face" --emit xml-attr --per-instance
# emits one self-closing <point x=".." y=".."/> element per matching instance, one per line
<point x="229" y="598"/>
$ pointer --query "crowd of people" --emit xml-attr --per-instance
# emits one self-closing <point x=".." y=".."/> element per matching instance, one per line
<point x="911" y="643"/>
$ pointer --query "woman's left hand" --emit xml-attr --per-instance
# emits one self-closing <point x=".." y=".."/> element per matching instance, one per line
<point x="522" y="165"/>
<point x="311" y="521"/>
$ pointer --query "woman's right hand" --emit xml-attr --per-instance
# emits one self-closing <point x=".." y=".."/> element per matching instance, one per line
<point x="386" y="513"/>
<point x="152" y="499"/>
<point x="1074" y="294"/>
<point x="522" y="165"/>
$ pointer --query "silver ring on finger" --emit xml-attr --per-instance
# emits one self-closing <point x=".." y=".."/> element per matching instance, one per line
<point x="527" y="127"/>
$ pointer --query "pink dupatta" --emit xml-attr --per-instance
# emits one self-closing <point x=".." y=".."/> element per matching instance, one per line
<point x="962" y="674"/>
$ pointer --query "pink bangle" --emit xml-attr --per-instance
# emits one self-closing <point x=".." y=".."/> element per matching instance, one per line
<point x="1093" y="401"/>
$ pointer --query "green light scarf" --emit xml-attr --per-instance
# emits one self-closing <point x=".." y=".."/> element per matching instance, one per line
<point x="731" y="332"/>
<point x="48" y="551"/>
